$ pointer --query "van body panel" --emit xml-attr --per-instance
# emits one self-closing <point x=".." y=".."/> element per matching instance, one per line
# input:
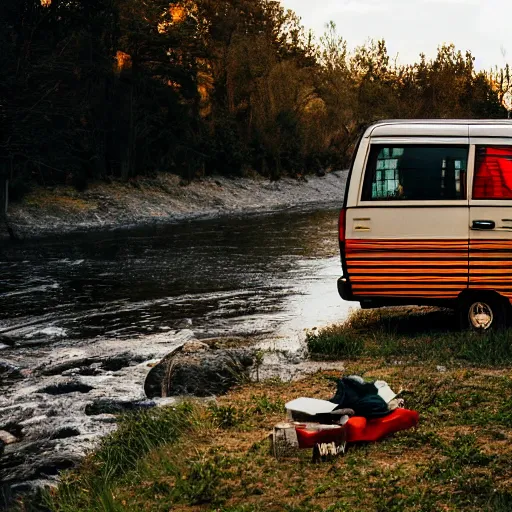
<point x="405" y="252"/>
<point x="420" y="140"/>
<point x="501" y="216"/>
<point x="494" y="130"/>
<point x="401" y="249"/>
<point x="408" y="223"/>
<point x="490" y="236"/>
<point x="357" y="173"/>
<point x="490" y="264"/>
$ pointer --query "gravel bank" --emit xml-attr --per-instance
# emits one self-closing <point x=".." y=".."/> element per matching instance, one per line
<point x="60" y="210"/>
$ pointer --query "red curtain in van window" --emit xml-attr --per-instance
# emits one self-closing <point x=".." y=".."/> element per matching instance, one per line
<point x="493" y="176"/>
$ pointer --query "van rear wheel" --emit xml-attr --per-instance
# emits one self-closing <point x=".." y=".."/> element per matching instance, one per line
<point x="486" y="312"/>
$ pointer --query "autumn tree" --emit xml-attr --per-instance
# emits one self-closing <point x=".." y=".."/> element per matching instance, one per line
<point x="119" y="88"/>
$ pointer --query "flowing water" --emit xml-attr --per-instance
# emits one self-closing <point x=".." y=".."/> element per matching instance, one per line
<point x="271" y="274"/>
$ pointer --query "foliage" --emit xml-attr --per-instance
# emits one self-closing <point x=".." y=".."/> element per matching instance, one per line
<point x="116" y="88"/>
<point x="119" y="454"/>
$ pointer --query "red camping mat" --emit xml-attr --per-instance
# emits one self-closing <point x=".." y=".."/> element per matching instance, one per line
<point x="361" y="429"/>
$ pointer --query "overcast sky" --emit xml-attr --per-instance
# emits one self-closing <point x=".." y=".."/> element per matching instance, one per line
<point x="414" y="26"/>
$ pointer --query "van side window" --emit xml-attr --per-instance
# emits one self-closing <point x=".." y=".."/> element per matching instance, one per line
<point x="493" y="173"/>
<point x="415" y="173"/>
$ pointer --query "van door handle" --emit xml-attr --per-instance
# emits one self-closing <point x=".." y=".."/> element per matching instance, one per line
<point x="483" y="224"/>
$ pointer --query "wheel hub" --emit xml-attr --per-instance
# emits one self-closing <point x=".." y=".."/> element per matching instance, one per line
<point x="481" y="316"/>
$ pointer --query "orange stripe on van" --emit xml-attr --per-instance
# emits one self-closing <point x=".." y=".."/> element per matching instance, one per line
<point x="409" y="244"/>
<point x="490" y="244"/>
<point x="403" y="262"/>
<point x="414" y="279"/>
<point x="412" y="254"/>
<point x="428" y="268"/>
<point x="490" y="265"/>
<point x="357" y="272"/>
<point x="442" y="265"/>
<point x="429" y="294"/>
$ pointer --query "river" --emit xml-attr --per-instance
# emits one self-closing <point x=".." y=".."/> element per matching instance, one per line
<point x="271" y="274"/>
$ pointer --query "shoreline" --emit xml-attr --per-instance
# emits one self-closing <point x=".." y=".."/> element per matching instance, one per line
<point x="59" y="408"/>
<point x="196" y="453"/>
<point x="163" y="200"/>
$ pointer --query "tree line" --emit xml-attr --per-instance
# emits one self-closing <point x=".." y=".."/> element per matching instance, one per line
<point x="112" y="89"/>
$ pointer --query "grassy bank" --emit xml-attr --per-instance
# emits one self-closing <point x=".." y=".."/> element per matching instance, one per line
<point x="215" y="457"/>
<point x="415" y="334"/>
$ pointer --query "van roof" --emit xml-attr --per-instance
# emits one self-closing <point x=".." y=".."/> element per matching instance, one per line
<point x="441" y="128"/>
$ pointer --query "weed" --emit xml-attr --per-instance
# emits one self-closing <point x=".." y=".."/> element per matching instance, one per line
<point x="239" y="508"/>
<point x="416" y="438"/>
<point x="225" y="416"/>
<point x="264" y="405"/>
<point x="118" y="454"/>
<point x="462" y="454"/>
<point x="504" y="414"/>
<point x="465" y="451"/>
<point x="201" y="482"/>
<point x="500" y="501"/>
<point x="337" y="341"/>
<point x="258" y="361"/>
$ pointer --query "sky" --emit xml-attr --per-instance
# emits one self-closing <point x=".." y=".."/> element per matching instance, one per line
<point x="411" y="27"/>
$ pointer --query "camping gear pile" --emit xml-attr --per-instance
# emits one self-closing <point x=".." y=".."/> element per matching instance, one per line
<point x="360" y="411"/>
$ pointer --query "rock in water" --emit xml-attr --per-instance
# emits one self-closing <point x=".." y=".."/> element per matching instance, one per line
<point x="207" y="373"/>
<point x="108" y="406"/>
<point x="7" y="437"/>
<point x="6" y="340"/>
<point x="9" y="373"/>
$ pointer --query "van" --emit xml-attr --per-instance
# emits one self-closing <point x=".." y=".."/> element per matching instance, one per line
<point x="427" y="218"/>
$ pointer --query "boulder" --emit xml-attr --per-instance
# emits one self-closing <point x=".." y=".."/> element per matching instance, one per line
<point x="200" y="373"/>
<point x="195" y="346"/>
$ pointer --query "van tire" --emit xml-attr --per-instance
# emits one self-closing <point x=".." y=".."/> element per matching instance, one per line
<point x="488" y="310"/>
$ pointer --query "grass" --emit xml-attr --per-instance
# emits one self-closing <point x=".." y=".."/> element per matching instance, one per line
<point x="216" y="457"/>
<point x="119" y="454"/>
<point x="219" y="459"/>
<point x="420" y="334"/>
<point x="192" y="459"/>
<point x="64" y="199"/>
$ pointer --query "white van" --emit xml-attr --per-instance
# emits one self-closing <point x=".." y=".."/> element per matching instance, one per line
<point x="427" y="218"/>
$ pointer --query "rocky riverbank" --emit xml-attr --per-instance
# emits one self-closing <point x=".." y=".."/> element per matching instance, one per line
<point x="59" y="405"/>
<point x="162" y="199"/>
<point x="56" y="407"/>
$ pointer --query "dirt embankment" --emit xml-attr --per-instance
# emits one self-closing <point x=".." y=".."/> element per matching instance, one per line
<point x="163" y="199"/>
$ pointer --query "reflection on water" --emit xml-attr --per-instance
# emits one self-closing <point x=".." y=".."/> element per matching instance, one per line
<point x="248" y="275"/>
